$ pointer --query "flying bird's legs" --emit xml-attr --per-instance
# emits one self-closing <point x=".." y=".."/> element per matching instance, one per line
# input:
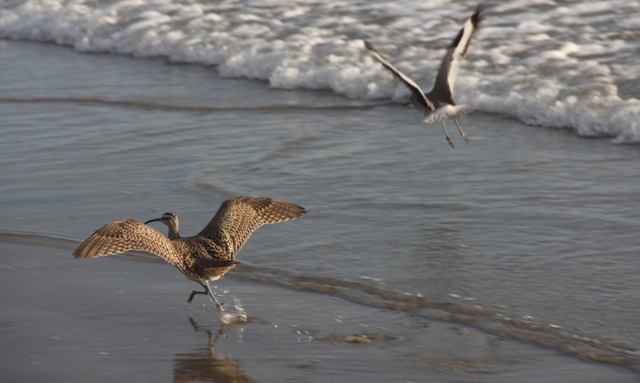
<point x="446" y="135"/>
<point x="464" y="136"/>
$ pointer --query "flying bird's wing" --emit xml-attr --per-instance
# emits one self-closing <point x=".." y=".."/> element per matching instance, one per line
<point x="448" y="71"/>
<point x="239" y="217"/>
<point x="124" y="235"/>
<point x="413" y="87"/>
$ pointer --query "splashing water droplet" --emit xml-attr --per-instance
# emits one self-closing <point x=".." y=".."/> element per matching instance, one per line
<point x="232" y="318"/>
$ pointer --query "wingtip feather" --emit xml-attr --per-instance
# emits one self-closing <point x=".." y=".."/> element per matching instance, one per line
<point x="478" y="15"/>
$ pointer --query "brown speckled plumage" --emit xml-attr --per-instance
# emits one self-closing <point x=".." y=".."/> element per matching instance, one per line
<point x="203" y="257"/>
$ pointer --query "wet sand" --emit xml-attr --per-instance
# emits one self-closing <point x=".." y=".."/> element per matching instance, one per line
<point x="116" y="318"/>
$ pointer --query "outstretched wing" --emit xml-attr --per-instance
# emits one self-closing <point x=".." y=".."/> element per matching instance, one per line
<point x="413" y="87"/>
<point x="124" y="235"/>
<point x="239" y="217"/>
<point x="448" y="71"/>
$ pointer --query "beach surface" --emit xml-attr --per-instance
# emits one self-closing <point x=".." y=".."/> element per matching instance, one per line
<point x="511" y="258"/>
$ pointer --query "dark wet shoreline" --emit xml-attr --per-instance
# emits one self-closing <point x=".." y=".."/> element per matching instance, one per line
<point x="118" y="310"/>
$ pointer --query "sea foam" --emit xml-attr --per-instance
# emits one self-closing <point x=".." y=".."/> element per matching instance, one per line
<point x="570" y="66"/>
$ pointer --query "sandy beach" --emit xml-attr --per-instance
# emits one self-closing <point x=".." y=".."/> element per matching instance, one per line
<point x="508" y="259"/>
<point x="117" y="318"/>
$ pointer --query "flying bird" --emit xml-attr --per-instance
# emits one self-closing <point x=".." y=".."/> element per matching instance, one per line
<point x="205" y="257"/>
<point x="438" y="105"/>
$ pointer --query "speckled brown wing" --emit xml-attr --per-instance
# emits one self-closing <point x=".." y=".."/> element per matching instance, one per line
<point x="239" y="217"/>
<point x="124" y="235"/>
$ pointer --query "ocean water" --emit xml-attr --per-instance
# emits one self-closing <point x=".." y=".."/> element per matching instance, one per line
<point x="525" y="237"/>
<point x="562" y="64"/>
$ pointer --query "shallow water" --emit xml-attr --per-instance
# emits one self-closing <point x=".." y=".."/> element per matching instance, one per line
<point x="523" y="234"/>
<point x="569" y="64"/>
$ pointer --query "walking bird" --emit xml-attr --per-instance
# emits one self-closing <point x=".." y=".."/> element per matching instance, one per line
<point x="208" y="255"/>
<point x="438" y="105"/>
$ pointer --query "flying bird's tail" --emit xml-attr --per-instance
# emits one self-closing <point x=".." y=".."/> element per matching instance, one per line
<point x="449" y="112"/>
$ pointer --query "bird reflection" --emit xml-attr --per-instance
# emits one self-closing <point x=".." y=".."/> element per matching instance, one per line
<point x="205" y="366"/>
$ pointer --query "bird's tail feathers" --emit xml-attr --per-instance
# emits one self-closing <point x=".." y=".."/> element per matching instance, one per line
<point x="218" y="268"/>
<point x="449" y="112"/>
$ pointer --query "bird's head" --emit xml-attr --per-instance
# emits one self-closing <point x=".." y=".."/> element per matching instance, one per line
<point x="171" y="220"/>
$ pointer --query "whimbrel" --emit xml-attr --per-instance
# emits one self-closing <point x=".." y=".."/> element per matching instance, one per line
<point x="208" y="255"/>
<point x="438" y="105"/>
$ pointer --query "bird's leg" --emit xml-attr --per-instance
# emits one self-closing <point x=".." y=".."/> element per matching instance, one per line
<point x="446" y="135"/>
<point x="207" y="290"/>
<point x="464" y="136"/>
<point x="194" y="293"/>
<point x="218" y="304"/>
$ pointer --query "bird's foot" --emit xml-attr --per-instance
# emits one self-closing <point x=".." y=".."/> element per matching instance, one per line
<point x="194" y="293"/>
<point x="464" y="137"/>
<point x="450" y="142"/>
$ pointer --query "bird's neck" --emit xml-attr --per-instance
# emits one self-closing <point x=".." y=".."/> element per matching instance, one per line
<point x="173" y="231"/>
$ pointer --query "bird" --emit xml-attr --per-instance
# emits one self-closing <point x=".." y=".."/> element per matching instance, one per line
<point x="438" y="104"/>
<point x="205" y="257"/>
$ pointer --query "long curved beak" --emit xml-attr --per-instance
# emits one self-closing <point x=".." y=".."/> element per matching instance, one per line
<point x="153" y="220"/>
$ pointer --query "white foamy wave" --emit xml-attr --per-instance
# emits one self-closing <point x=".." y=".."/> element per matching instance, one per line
<point x="547" y="63"/>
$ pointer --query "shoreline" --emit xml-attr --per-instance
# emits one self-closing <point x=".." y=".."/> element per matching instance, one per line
<point x="398" y="273"/>
<point x="121" y="299"/>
